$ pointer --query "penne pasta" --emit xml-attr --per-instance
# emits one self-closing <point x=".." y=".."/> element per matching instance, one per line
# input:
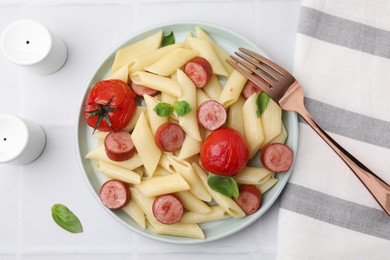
<point x="223" y="201"/>
<point x="201" y="97"/>
<point x="147" y="149"/>
<point x="135" y="212"/>
<point x="282" y="137"/>
<point x="189" y="148"/>
<point x="121" y="74"/>
<point x="192" y="203"/>
<point x="99" y="154"/>
<point x="189" y="122"/>
<point x="253" y="175"/>
<point x="235" y="116"/>
<point x="172" y="61"/>
<point x="216" y="213"/>
<point x="221" y="53"/>
<point x="156" y="82"/>
<point x="232" y="90"/>
<point x="177" y="229"/>
<point x="267" y="185"/>
<point x="252" y="126"/>
<point x="141" y="62"/>
<point x="130" y="126"/>
<point x="213" y="88"/>
<point x="271" y="120"/>
<point x="137" y="49"/>
<point x="160" y="185"/>
<point x="206" y="51"/>
<point x="116" y="172"/>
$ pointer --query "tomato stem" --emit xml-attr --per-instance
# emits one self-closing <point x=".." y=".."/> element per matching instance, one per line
<point x="101" y="112"/>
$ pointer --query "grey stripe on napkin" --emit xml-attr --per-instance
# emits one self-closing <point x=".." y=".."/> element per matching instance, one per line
<point x="335" y="211"/>
<point x="344" y="32"/>
<point x="349" y="124"/>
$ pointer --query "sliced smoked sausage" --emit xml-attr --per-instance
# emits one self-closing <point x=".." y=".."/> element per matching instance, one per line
<point x="199" y="71"/>
<point x="115" y="194"/>
<point x="211" y="115"/>
<point x="167" y="209"/>
<point x="277" y="157"/>
<point x="169" y="137"/>
<point x="249" y="89"/>
<point x="249" y="199"/>
<point x="140" y="90"/>
<point x="119" y="146"/>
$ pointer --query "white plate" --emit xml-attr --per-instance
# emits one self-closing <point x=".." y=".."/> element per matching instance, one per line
<point x="230" y="41"/>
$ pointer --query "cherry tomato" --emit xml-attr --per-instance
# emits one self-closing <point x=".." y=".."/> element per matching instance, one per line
<point x="224" y="152"/>
<point x="109" y="105"/>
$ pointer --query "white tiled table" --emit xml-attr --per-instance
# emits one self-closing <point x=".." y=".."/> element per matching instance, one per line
<point x="91" y="28"/>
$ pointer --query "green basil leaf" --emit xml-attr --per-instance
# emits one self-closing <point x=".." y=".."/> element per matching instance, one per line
<point x="182" y="108"/>
<point x="168" y="40"/>
<point x="261" y="102"/>
<point x="163" y="109"/>
<point x="225" y="185"/>
<point x="66" y="219"/>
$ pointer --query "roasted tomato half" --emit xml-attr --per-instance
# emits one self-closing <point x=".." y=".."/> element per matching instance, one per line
<point x="109" y="105"/>
<point x="224" y="152"/>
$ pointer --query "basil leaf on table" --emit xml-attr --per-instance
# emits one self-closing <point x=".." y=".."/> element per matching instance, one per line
<point x="66" y="219"/>
<point x="168" y="40"/>
<point x="225" y="185"/>
<point x="261" y="103"/>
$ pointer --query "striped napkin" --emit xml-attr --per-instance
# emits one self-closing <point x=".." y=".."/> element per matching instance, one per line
<point x="342" y="60"/>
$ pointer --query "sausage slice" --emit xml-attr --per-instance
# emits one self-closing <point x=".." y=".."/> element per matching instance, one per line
<point x="115" y="194"/>
<point x="119" y="146"/>
<point x="169" y="137"/>
<point x="249" y="199"/>
<point x="167" y="209"/>
<point x="249" y="89"/>
<point x="211" y="115"/>
<point x="277" y="157"/>
<point x="199" y="71"/>
<point x="140" y="90"/>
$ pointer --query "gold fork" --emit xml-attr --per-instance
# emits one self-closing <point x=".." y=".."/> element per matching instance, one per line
<point x="285" y="90"/>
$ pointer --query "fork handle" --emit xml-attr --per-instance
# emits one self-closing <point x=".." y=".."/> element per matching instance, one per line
<point x="377" y="187"/>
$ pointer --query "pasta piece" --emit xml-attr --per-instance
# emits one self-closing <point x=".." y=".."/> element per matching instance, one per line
<point x="221" y="53"/>
<point x="235" y="116"/>
<point x="192" y="203"/>
<point x="145" y="203"/>
<point x="271" y="120"/>
<point x="201" y="97"/>
<point x="160" y="171"/>
<point x="189" y="148"/>
<point x="160" y="185"/>
<point x="232" y="90"/>
<point x="184" y="168"/>
<point x="216" y="213"/>
<point x="253" y="175"/>
<point x="130" y="126"/>
<point x="177" y="229"/>
<point x="189" y="122"/>
<point x="99" y="154"/>
<point x="267" y="185"/>
<point x="206" y="51"/>
<point x="157" y="82"/>
<point x="154" y="120"/>
<point x="141" y="62"/>
<point x="137" y="49"/>
<point x="121" y="74"/>
<point x="135" y="212"/>
<point x="116" y="172"/>
<point x="223" y="201"/>
<point x="147" y="149"/>
<point x="213" y="88"/>
<point x="252" y="125"/>
<point x="172" y="61"/>
<point x="282" y="137"/>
